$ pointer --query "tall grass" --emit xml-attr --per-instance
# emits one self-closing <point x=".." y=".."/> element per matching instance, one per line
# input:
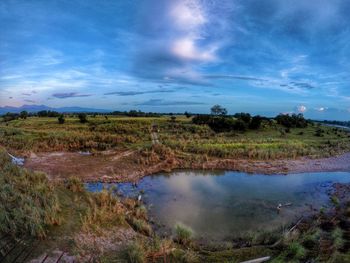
<point x="104" y="211"/>
<point x="28" y="203"/>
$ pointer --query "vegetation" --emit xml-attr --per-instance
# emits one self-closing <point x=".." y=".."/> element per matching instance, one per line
<point x="61" y="119"/>
<point x="28" y="204"/>
<point x="203" y="135"/>
<point x="82" y="117"/>
<point x="183" y="234"/>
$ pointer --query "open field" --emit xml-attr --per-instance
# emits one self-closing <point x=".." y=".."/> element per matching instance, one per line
<point x="121" y="148"/>
<point x="120" y="133"/>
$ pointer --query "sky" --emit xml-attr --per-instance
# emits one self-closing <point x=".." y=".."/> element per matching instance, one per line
<point x="259" y="56"/>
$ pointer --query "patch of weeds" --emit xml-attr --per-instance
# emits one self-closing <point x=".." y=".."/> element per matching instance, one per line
<point x="337" y="236"/>
<point x="183" y="234"/>
<point x="135" y="253"/>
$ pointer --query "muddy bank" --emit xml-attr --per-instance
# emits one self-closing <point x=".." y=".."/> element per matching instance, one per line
<point x="129" y="165"/>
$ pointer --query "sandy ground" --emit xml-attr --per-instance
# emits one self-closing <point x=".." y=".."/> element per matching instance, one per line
<point x="126" y="165"/>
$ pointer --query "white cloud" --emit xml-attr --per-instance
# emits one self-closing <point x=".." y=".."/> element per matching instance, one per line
<point x="187" y="14"/>
<point x="186" y="48"/>
<point x="301" y="109"/>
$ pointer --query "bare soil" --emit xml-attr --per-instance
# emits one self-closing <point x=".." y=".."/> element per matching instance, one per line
<point x="129" y="166"/>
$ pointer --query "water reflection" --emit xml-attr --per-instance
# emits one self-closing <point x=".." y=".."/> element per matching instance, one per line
<point x="230" y="203"/>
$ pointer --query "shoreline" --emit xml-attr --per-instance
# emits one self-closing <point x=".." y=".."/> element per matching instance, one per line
<point x="128" y="166"/>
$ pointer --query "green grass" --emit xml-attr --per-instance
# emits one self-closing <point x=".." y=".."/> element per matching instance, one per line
<point x="46" y="134"/>
<point x="183" y="234"/>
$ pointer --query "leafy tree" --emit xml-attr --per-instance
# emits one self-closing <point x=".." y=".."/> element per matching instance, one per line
<point x="243" y="116"/>
<point x="255" y="123"/>
<point x="23" y="115"/>
<point x="187" y="114"/>
<point x="61" y="119"/>
<point x="45" y="113"/>
<point x="292" y="121"/>
<point x="10" y="116"/>
<point x="218" y="110"/>
<point x="82" y="117"/>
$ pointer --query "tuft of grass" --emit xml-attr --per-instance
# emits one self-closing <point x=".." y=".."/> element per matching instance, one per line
<point x="337" y="236"/>
<point x="135" y="253"/>
<point x="335" y="200"/>
<point x="75" y="185"/>
<point x="104" y="211"/>
<point x="295" y="251"/>
<point x="183" y="234"/>
<point x="141" y="226"/>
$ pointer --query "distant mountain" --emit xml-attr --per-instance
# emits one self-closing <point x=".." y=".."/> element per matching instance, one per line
<point x="36" y="108"/>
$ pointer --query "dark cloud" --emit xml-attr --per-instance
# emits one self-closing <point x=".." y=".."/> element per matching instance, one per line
<point x="134" y="93"/>
<point x="234" y="77"/>
<point x="160" y="102"/>
<point x="31" y="101"/>
<point x="302" y="85"/>
<point x="290" y="85"/>
<point x="69" y="95"/>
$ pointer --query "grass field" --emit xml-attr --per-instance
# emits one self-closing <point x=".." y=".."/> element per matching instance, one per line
<point x="271" y="141"/>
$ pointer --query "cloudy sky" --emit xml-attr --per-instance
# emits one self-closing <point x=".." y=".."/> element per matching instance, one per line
<point x="259" y="56"/>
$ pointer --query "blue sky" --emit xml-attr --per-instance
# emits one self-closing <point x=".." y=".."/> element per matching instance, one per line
<point x="259" y="56"/>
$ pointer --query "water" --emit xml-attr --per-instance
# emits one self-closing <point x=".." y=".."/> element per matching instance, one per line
<point x="220" y="205"/>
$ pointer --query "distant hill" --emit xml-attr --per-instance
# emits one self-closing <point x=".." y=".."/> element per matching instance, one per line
<point x="36" y="108"/>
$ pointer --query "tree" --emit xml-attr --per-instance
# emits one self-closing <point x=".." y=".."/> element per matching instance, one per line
<point x="187" y="114"/>
<point x="255" y="123"/>
<point x="218" y="110"/>
<point x="23" y="115"/>
<point x="10" y="116"/>
<point x="243" y="116"/>
<point x="82" y="117"/>
<point x="61" y="119"/>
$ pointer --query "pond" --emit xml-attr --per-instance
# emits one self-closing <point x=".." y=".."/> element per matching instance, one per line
<point x="225" y="204"/>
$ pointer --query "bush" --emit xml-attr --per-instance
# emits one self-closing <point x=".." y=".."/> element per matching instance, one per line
<point x="337" y="236"/>
<point x="135" y="253"/>
<point x="255" y="122"/>
<point x="10" y="117"/>
<point x="245" y="117"/>
<point x="82" y="117"/>
<point x="61" y="119"/>
<point x="296" y="251"/>
<point x="183" y="234"/>
<point x="75" y="185"/>
<point x="292" y="121"/>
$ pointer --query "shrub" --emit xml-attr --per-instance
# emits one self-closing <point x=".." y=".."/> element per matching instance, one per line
<point x="337" y="236"/>
<point x="23" y="115"/>
<point x="296" y="251"/>
<point x="135" y="253"/>
<point x="255" y="122"/>
<point x="75" y="185"/>
<point x="61" y="119"/>
<point x="82" y="117"/>
<point x="245" y="117"/>
<point x="292" y="121"/>
<point x="10" y="117"/>
<point x="183" y="234"/>
<point x="141" y="226"/>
